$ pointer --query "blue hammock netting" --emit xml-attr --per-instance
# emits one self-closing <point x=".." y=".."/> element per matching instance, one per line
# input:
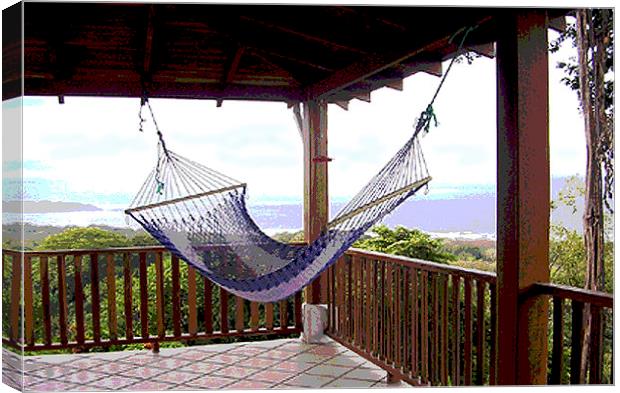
<point x="200" y="215"/>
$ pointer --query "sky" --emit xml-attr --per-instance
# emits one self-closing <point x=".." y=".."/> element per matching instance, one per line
<point x="90" y="149"/>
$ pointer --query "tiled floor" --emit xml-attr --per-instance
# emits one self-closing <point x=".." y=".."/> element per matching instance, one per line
<point x="283" y="364"/>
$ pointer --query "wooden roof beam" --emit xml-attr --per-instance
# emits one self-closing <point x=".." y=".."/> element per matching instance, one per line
<point x="231" y="70"/>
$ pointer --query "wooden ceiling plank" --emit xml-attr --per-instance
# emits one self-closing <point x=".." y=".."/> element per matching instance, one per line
<point x="148" y="45"/>
<point x="305" y="36"/>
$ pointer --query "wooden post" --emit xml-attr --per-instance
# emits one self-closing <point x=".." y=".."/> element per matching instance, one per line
<point x="522" y="195"/>
<point x="316" y="202"/>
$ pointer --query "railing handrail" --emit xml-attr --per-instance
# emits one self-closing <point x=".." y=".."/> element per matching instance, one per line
<point x="425" y="265"/>
<point x="135" y="249"/>
<point x="601" y="299"/>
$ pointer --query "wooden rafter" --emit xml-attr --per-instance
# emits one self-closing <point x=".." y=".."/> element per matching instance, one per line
<point x="373" y="65"/>
<point x="232" y="68"/>
<point x="486" y="50"/>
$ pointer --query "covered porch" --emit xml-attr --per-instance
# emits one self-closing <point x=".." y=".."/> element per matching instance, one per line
<point x="432" y="324"/>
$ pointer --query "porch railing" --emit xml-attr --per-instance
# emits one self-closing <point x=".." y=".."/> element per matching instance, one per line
<point x="119" y="296"/>
<point x="429" y="323"/>
<point x="423" y="322"/>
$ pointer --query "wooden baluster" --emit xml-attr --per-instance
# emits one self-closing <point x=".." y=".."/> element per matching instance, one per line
<point x="79" y="299"/>
<point x="577" y="331"/>
<point x="284" y="314"/>
<point x="595" y="355"/>
<point x="45" y="300"/>
<point x="382" y="331"/>
<point x="456" y="329"/>
<point x="492" y="350"/>
<point x="28" y="302"/>
<point x="128" y="296"/>
<point x="467" y="356"/>
<point x="254" y="316"/>
<point x="239" y="323"/>
<point x="406" y="320"/>
<point x="424" y="327"/>
<point x="144" y="299"/>
<point x="480" y="288"/>
<point x="349" y="297"/>
<point x="389" y="314"/>
<point x="269" y="316"/>
<point x="444" y="330"/>
<point x="191" y="302"/>
<point x="208" y="305"/>
<point x="414" y="323"/>
<point x="397" y="318"/>
<point x="94" y="296"/>
<point x="368" y="298"/>
<point x="557" y="356"/>
<point x="62" y="299"/>
<point x="176" y="297"/>
<point x="297" y="306"/>
<point x="223" y="311"/>
<point x="16" y="289"/>
<point x="435" y="339"/>
<point x="375" y="308"/>
<point x="160" y="303"/>
<point x="111" y="286"/>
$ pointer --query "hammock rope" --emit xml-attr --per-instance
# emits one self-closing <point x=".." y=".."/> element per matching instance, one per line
<point x="200" y="215"/>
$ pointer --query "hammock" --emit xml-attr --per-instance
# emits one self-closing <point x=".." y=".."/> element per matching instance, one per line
<point x="201" y="217"/>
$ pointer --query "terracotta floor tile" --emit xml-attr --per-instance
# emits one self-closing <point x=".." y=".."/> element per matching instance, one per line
<point x="257" y="363"/>
<point x="242" y="385"/>
<point x="271" y="376"/>
<point x="114" y="382"/>
<point x="226" y="359"/>
<point x="149" y="385"/>
<point x="210" y="382"/>
<point x="234" y="372"/>
<point x="176" y="377"/>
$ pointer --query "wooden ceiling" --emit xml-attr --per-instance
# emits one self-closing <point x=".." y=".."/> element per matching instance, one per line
<point x="252" y="52"/>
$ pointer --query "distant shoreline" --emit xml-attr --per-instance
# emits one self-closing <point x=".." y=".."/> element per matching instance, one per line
<point x="43" y="207"/>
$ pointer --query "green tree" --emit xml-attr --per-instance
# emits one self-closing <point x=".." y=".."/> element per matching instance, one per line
<point x="143" y="239"/>
<point x="77" y="238"/>
<point x="411" y="243"/>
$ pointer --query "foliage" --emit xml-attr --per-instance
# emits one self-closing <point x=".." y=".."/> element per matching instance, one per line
<point x="406" y="242"/>
<point x="602" y="34"/>
<point x="289" y="237"/>
<point x="77" y="238"/>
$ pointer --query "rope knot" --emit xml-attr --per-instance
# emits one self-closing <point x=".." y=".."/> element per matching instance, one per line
<point x="424" y="121"/>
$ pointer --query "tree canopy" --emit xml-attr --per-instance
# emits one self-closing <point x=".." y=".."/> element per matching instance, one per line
<point x="411" y="243"/>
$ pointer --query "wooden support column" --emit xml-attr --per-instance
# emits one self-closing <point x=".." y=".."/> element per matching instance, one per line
<point x="523" y="197"/>
<point x="316" y="202"/>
